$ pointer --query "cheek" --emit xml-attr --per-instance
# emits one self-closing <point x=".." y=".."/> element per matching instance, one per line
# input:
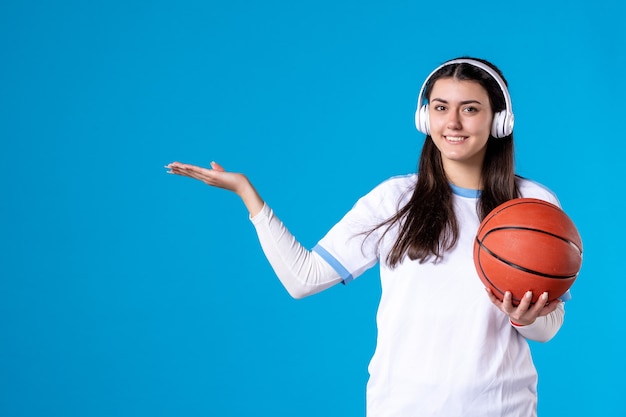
<point x="435" y="120"/>
<point x="481" y="125"/>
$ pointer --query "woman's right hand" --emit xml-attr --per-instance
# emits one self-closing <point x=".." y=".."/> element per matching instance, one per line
<point x="217" y="176"/>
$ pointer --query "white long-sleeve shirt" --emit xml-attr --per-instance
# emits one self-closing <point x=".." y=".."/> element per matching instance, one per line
<point x="443" y="349"/>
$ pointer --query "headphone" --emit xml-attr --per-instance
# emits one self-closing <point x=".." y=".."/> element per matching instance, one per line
<point x="502" y="121"/>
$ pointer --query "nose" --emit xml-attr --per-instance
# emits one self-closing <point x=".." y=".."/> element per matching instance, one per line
<point x="454" y="120"/>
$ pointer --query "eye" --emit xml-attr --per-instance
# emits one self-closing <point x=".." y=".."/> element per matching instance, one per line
<point x="470" y="109"/>
<point x="440" y="107"/>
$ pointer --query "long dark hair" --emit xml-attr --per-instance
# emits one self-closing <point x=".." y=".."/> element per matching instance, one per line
<point x="427" y="224"/>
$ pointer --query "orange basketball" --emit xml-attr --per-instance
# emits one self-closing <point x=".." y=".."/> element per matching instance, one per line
<point x="528" y="244"/>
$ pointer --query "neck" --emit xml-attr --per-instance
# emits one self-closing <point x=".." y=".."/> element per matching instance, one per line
<point x="464" y="176"/>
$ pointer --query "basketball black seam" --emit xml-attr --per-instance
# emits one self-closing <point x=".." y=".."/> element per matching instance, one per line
<point x="493" y="285"/>
<point x="513" y="203"/>
<point x="533" y="230"/>
<point x="521" y="268"/>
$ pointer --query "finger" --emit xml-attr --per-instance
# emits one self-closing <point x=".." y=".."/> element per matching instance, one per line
<point x="190" y="170"/>
<point x="507" y="303"/>
<point x="495" y="300"/>
<point x="524" y="303"/>
<point x="174" y="164"/>
<point x="181" y="166"/>
<point x="174" y="167"/>
<point x="550" y="307"/>
<point x="540" y="304"/>
<point x="217" y="166"/>
<point x="178" y="170"/>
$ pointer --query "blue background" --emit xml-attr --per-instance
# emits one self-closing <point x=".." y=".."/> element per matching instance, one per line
<point x="125" y="291"/>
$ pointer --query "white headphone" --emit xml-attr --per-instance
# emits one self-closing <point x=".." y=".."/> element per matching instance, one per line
<point x="502" y="121"/>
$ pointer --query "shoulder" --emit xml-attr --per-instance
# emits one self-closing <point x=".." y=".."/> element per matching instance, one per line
<point x="397" y="188"/>
<point x="398" y="184"/>
<point x="532" y="189"/>
<point x="386" y="197"/>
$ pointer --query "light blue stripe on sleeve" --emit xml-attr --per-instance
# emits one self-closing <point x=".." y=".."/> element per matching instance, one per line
<point x="345" y="275"/>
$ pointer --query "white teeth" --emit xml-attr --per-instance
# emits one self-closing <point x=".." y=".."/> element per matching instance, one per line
<point x="455" y="138"/>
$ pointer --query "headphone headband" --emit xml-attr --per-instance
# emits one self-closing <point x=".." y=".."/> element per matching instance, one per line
<point x="502" y="121"/>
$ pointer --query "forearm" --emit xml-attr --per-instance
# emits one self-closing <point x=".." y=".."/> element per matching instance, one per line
<point x="301" y="271"/>
<point x="544" y="328"/>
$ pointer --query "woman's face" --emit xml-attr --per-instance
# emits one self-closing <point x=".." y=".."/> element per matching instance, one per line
<point x="460" y="121"/>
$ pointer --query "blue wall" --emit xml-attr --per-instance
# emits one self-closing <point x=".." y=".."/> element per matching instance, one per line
<point x="126" y="292"/>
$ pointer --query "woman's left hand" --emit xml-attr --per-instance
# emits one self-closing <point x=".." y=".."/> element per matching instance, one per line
<point x="524" y="313"/>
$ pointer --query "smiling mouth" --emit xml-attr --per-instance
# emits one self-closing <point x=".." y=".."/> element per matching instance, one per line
<point x="455" y="139"/>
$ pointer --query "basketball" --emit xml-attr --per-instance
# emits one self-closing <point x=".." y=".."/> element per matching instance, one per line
<point x="526" y="244"/>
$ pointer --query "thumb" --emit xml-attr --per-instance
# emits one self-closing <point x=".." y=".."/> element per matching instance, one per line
<point x="216" y="166"/>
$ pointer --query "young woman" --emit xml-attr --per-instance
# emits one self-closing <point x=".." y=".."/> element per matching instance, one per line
<point x="446" y="346"/>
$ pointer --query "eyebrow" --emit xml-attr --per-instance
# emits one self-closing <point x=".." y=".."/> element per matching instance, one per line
<point x="463" y="102"/>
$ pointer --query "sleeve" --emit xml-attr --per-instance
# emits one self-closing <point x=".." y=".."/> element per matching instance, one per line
<point x="301" y="271"/>
<point x="352" y="246"/>
<point x="545" y="327"/>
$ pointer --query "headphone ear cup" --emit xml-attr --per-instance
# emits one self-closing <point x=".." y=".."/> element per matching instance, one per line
<point x="509" y="122"/>
<point x="497" y="124"/>
<point x="422" y="122"/>
<point x="502" y="125"/>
